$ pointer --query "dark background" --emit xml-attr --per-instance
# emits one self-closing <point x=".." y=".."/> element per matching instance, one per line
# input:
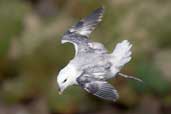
<point x="31" y="56"/>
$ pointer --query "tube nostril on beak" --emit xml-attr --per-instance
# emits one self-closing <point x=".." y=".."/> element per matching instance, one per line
<point x="59" y="91"/>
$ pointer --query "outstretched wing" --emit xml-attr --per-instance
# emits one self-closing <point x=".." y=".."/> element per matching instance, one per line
<point x="79" y="33"/>
<point x="85" y="26"/>
<point x="99" y="88"/>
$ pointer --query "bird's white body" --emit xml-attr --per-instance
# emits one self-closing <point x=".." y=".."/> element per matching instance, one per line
<point x="92" y="64"/>
<point x="87" y="61"/>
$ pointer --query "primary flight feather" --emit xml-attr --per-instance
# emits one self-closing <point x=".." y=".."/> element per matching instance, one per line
<point x="92" y="65"/>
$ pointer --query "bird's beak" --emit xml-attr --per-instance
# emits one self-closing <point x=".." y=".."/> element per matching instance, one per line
<point x="60" y="91"/>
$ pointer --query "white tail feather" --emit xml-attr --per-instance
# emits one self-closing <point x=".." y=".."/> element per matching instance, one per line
<point x="121" y="54"/>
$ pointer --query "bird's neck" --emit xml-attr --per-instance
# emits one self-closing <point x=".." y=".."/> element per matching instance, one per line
<point x="74" y="73"/>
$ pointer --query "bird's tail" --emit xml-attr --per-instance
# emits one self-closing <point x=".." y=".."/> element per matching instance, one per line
<point x="121" y="55"/>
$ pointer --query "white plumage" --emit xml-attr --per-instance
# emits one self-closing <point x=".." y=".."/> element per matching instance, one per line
<point x="121" y="53"/>
<point x="92" y="65"/>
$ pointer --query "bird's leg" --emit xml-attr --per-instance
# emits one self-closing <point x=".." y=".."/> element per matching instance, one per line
<point x="130" y="77"/>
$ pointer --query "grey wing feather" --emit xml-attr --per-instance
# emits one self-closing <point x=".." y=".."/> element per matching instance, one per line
<point x="105" y="90"/>
<point x="97" y="71"/>
<point x="79" y="33"/>
<point x="99" y="88"/>
<point x="85" y="26"/>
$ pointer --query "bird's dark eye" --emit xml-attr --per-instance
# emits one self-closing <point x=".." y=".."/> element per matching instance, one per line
<point x="64" y="80"/>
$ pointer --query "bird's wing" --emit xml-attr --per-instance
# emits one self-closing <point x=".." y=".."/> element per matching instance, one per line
<point x="98" y="71"/>
<point x="99" y="88"/>
<point x="85" y="26"/>
<point x="80" y="32"/>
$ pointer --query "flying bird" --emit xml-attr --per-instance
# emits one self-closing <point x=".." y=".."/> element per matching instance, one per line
<point x="92" y="64"/>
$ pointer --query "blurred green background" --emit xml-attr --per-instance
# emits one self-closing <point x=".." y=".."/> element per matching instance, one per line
<point x="31" y="56"/>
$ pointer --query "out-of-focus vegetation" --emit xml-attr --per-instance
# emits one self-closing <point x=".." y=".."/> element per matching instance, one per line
<point x="31" y="56"/>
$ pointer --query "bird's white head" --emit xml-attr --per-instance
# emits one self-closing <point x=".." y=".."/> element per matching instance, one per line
<point x="66" y="77"/>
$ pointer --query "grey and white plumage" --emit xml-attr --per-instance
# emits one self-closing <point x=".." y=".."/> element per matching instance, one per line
<point x="92" y="65"/>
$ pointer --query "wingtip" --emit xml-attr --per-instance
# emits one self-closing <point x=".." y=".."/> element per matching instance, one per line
<point x="100" y="10"/>
<point x="102" y="7"/>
